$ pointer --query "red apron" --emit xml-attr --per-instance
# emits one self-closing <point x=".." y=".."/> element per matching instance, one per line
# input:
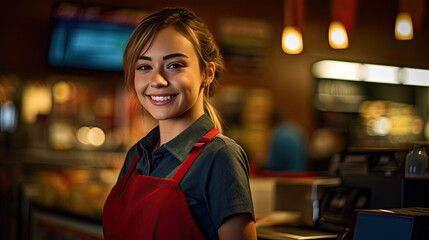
<point x="143" y="207"/>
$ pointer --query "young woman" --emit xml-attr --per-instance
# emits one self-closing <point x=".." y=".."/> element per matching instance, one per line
<point x="183" y="180"/>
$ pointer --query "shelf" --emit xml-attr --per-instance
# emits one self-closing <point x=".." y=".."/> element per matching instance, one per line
<point x="71" y="158"/>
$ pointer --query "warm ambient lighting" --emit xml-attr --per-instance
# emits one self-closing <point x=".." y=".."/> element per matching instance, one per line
<point x="36" y="101"/>
<point x="337" y="70"/>
<point x="292" y="40"/>
<point x="338" y="35"/>
<point x="404" y="26"/>
<point x="381" y="74"/>
<point x="350" y="71"/>
<point x="91" y="136"/>
<point x="61" y="92"/>
<point x="416" y="77"/>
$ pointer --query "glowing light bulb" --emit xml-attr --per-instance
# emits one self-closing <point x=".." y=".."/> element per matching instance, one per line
<point x="82" y="135"/>
<point x="338" y="38"/>
<point x="292" y="40"/>
<point x="61" y="92"/>
<point x="36" y="100"/>
<point x="382" y="126"/>
<point x="404" y="26"/>
<point x="96" y="136"/>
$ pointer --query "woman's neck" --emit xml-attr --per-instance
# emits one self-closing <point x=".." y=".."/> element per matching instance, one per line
<point x="169" y="129"/>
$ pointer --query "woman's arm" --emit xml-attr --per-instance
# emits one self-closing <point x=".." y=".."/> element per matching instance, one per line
<point x="237" y="227"/>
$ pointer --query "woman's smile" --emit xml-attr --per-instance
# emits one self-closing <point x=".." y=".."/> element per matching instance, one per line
<point x="161" y="99"/>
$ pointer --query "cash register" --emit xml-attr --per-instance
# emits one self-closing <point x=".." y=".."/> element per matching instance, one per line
<point x="290" y="207"/>
<point x="401" y="224"/>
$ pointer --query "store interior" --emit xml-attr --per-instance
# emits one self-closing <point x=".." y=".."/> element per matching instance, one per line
<point x="67" y="121"/>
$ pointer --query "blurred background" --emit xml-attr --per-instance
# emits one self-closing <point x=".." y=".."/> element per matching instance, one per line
<point x="66" y="120"/>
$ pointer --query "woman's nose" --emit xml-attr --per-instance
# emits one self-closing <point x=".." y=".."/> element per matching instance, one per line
<point x="159" y="80"/>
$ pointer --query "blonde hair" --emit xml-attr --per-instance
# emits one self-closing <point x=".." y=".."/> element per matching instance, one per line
<point x="191" y="27"/>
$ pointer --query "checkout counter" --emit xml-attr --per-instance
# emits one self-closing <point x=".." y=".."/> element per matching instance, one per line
<point x="288" y="208"/>
<point x="363" y="185"/>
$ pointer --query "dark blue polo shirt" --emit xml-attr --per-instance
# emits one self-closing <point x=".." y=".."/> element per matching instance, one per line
<point x="217" y="184"/>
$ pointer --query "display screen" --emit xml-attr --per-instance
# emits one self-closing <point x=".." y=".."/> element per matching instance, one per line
<point x="91" y="37"/>
<point x="382" y="227"/>
<point x="88" y="44"/>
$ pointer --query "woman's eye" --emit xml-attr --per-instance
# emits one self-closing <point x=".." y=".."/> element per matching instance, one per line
<point x="144" y="67"/>
<point x="175" y="66"/>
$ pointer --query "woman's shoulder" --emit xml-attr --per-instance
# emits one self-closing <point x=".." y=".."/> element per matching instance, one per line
<point x="220" y="158"/>
<point x="223" y="142"/>
<point x="223" y="148"/>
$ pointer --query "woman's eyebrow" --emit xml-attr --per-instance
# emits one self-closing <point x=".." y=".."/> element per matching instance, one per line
<point x="145" y="58"/>
<point x="173" y="55"/>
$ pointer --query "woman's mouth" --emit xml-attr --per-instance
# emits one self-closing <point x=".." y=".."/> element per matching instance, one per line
<point x="161" y="99"/>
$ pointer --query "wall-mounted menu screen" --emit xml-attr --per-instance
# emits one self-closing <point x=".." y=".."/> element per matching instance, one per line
<point x="90" y="37"/>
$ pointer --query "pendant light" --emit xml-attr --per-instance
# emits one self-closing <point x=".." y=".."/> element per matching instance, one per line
<point x="404" y="26"/>
<point x="409" y="19"/>
<point x="292" y="41"/>
<point x="343" y="14"/>
<point x="338" y="38"/>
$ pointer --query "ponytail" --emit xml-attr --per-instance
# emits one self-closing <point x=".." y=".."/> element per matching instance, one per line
<point x="213" y="114"/>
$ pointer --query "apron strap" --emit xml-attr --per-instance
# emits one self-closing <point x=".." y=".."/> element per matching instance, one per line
<point x="131" y="168"/>
<point x="198" y="147"/>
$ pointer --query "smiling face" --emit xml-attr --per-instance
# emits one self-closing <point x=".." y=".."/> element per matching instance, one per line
<point x="168" y="78"/>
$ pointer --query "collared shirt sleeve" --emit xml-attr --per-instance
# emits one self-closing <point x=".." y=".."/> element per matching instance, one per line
<point x="227" y="184"/>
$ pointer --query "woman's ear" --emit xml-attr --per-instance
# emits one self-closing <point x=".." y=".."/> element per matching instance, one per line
<point x="209" y="74"/>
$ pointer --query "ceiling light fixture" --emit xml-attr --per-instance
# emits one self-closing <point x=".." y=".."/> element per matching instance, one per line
<point x="409" y="20"/>
<point x="338" y="38"/>
<point x="404" y="26"/>
<point x="292" y="40"/>
<point x="343" y="15"/>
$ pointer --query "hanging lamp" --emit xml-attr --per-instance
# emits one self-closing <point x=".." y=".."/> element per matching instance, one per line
<point x="343" y="15"/>
<point x="292" y="41"/>
<point x="409" y="18"/>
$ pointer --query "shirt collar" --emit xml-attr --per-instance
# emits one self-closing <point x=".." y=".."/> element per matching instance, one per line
<point x="182" y="144"/>
<point x="150" y="140"/>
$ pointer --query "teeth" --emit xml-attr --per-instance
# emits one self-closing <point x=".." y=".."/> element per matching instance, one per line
<point x="160" y="98"/>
